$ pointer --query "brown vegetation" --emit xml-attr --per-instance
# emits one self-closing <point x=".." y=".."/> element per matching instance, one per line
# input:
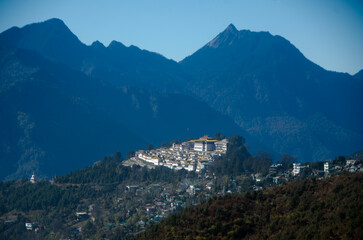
<point x="310" y="209"/>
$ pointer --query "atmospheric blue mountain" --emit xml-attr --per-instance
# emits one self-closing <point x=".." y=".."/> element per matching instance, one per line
<point x="116" y="63"/>
<point x="274" y="96"/>
<point x="55" y="119"/>
<point x="359" y="75"/>
<point x="273" y="92"/>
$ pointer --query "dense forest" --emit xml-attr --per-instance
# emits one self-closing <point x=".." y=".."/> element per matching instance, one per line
<point x="328" y="209"/>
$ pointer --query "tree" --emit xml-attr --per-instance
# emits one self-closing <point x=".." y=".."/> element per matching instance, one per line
<point x="89" y="229"/>
<point x="258" y="164"/>
<point x="286" y="160"/>
<point x="176" y="141"/>
<point x="166" y="145"/>
<point x="232" y="163"/>
<point x="339" y="161"/>
<point x="117" y="157"/>
<point x="130" y="154"/>
<point x="218" y="136"/>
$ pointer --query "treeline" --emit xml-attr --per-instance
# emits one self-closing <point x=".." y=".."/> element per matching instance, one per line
<point x="25" y="196"/>
<point x="310" y="209"/>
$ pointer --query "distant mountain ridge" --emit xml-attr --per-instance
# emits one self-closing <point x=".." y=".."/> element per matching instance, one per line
<point x="262" y="82"/>
<point x="116" y="63"/>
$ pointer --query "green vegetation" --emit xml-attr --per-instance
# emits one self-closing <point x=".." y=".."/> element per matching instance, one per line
<point x="310" y="209"/>
<point x="238" y="160"/>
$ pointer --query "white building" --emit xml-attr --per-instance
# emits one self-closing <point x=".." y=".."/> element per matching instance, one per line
<point x="32" y="179"/>
<point x="176" y="147"/>
<point x="296" y="169"/>
<point x="29" y="226"/>
<point x="187" y="146"/>
<point x="204" y="144"/>
<point x="326" y="166"/>
<point x="221" y="146"/>
<point x="148" y="158"/>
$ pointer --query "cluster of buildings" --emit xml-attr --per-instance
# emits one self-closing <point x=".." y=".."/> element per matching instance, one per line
<point x="193" y="155"/>
<point x="279" y="174"/>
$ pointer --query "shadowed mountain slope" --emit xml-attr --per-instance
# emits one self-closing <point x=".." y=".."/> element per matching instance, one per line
<point x="58" y="119"/>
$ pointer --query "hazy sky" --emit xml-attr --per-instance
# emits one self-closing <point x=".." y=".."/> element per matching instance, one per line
<point x="328" y="32"/>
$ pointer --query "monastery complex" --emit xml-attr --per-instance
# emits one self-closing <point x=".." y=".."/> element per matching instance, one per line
<point x="193" y="155"/>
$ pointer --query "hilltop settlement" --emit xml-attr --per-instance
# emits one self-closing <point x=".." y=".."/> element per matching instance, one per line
<point x="193" y="155"/>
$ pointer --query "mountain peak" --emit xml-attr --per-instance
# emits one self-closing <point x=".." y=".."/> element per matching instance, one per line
<point x="97" y="45"/>
<point x="51" y="38"/>
<point x="225" y="38"/>
<point x="116" y="44"/>
<point x="55" y="25"/>
<point x="55" y="21"/>
<point x="231" y="28"/>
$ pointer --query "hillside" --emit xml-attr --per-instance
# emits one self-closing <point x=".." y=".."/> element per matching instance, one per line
<point x="310" y="209"/>
<point x="58" y="119"/>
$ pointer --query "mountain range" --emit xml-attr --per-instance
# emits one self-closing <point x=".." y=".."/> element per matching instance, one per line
<point x="65" y="104"/>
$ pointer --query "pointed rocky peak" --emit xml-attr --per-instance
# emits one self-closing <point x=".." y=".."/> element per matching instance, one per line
<point x="231" y="29"/>
<point x="225" y="38"/>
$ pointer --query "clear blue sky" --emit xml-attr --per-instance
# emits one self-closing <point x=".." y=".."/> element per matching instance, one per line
<point x="328" y="32"/>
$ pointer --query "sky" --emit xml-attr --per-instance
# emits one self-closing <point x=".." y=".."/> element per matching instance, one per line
<point x="328" y="32"/>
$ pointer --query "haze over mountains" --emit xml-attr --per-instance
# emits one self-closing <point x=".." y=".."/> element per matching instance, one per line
<point x="65" y="104"/>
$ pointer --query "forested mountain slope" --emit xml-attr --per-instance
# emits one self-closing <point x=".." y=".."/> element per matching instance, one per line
<point x="310" y="209"/>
